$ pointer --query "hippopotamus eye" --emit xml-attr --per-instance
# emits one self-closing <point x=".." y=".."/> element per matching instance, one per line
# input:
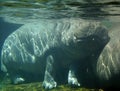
<point x="76" y="39"/>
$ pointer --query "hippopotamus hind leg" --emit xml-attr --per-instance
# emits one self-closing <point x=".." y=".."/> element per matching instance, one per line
<point x="49" y="82"/>
<point x="16" y="78"/>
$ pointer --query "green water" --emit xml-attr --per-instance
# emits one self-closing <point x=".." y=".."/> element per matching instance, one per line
<point x="26" y="11"/>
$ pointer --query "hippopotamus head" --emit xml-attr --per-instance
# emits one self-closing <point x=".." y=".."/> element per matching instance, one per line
<point x="86" y="38"/>
<point x="92" y="31"/>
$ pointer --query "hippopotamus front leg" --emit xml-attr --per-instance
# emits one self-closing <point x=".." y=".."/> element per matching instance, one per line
<point x="72" y="80"/>
<point x="49" y="82"/>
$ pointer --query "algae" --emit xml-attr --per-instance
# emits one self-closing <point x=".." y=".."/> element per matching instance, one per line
<point x="37" y="86"/>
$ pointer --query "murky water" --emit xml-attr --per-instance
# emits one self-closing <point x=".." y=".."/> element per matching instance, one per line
<point x="15" y="13"/>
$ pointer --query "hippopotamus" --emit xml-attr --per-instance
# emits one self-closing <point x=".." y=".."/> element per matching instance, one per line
<point x="108" y="64"/>
<point x="44" y="46"/>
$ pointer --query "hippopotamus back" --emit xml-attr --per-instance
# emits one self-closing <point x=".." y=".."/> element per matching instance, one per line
<point x="41" y="47"/>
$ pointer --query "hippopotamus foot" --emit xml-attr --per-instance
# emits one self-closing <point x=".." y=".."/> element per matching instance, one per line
<point x="49" y="82"/>
<point x="17" y="80"/>
<point x="72" y="80"/>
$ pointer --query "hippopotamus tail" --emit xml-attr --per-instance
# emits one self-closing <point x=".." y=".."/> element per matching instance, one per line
<point x="3" y="67"/>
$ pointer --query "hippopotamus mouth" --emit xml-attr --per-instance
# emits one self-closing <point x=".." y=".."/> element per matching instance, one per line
<point x="93" y="38"/>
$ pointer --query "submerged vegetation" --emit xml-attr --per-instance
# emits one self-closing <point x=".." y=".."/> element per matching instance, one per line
<point x="38" y="87"/>
<point x="5" y="85"/>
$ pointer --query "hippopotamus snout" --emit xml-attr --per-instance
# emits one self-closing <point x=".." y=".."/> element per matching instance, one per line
<point x="91" y="32"/>
<point x="102" y="35"/>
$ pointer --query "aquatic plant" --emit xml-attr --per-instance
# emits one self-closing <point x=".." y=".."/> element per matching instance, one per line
<point x="38" y="87"/>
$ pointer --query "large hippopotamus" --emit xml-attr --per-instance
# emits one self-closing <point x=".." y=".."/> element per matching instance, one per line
<point x="108" y="64"/>
<point x="43" y="47"/>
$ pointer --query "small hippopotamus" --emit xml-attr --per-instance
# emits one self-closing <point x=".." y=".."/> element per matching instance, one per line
<point x="108" y="64"/>
<point x="44" y="46"/>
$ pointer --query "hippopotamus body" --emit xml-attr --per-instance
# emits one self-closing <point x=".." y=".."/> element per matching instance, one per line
<point x="108" y="64"/>
<point x="42" y="47"/>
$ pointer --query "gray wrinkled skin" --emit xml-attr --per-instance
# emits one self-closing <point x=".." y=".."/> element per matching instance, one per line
<point x="108" y="65"/>
<point x="42" y="47"/>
